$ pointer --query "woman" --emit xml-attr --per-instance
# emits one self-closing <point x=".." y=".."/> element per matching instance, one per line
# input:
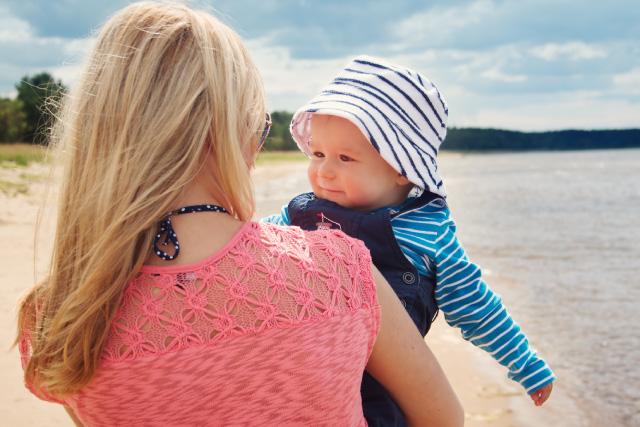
<point x="164" y="303"/>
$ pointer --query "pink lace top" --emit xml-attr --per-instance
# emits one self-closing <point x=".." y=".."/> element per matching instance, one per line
<point x="273" y="329"/>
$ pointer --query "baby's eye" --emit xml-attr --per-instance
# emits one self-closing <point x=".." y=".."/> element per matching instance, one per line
<point x="345" y="158"/>
<point x="318" y="154"/>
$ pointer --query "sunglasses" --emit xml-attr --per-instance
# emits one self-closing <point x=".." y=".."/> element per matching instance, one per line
<point x="265" y="131"/>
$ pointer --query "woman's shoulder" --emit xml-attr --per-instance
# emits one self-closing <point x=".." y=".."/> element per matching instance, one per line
<point x="293" y="239"/>
<point x="327" y="258"/>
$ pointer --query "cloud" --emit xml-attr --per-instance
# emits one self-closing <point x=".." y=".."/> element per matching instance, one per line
<point x="513" y="104"/>
<point x="320" y="29"/>
<point x="573" y="51"/>
<point x="289" y="81"/>
<point x="483" y="24"/>
<point x="67" y="19"/>
<point x="530" y="64"/>
<point x="441" y="25"/>
<point x="497" y="74"/>
<point x="628" y="82"/>
<point x="571" y="110"/>
<point x="25" y="53"/>
<point x="13" y="29"/>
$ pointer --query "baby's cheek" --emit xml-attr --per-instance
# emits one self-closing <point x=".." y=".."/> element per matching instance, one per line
<point x="361" y="194"/>
<point x="311" y="173"/>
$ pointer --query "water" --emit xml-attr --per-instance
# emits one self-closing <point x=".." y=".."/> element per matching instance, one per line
<point x="557" y="235"/>
<point x="559" y="232"/>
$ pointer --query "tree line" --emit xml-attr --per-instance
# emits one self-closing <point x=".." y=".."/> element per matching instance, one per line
<point x="479" y="139"/>
<point x="474" y="139"/>
<point x="26" y="118"/>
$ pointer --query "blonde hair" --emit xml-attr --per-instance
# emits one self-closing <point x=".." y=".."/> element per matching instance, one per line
<point x="166" y="88"/>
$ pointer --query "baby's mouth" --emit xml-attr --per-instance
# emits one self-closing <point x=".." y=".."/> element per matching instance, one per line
<point x="330" y="191"/>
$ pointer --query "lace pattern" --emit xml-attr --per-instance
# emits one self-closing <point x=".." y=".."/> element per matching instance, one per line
<point x="269" y="279"/>
<point x="275" y="329"/>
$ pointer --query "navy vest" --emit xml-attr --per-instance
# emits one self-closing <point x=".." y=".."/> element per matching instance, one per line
<point x="416" y="292"/>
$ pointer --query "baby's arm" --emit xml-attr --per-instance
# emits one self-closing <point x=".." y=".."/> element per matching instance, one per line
<point x="469" y="304"/>
<point x="279" y="219"/>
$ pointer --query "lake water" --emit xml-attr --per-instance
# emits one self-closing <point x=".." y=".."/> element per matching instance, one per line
<point x="558" y="236"/>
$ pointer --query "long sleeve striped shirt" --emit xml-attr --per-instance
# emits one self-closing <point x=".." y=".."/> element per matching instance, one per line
<point x="427" y="238"/>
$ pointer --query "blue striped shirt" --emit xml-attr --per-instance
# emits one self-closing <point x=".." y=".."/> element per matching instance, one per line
<point x="427" y="238"/>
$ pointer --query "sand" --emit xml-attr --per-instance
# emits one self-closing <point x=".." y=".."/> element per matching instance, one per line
<point x="489" y="398"/>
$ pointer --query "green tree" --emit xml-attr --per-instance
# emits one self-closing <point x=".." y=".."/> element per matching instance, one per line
<point x="475" y="139"/>
<point x="39" y="95"/>
<point x="280" y="138"/>
<point x="13" y="120"/>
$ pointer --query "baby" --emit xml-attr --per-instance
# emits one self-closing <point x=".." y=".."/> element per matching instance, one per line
<point x="372" y="136"/>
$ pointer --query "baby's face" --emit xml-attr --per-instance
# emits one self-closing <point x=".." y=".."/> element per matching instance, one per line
<point x="347" y="170"/>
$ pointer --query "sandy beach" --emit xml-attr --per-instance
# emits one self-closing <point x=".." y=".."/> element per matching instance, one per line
<point x="489" y="398"/>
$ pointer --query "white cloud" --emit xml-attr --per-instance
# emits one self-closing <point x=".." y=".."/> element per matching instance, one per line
<point x="507" y="83"/>
<point x="23" y="52"/>
<point x="290" y="82"/>
<point x="497" y="74"/>
<point x="9" y="94"/>
<point x="628" y="83"/>
<point x="480" y="71"/>
<point x="440" y="25"/>
<point x="70" y="69"/>
<point x="571" y="110"/>
<point x="79" y="48"/>
<point x="482" y="24"/>
<point x="478" y="90"/>
<point x="574" y="51"/>
<point x="69" y="73"/>
<point x="13" y="29"/>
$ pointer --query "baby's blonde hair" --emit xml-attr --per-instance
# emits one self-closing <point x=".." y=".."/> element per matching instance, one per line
<point x="167" y="91"/>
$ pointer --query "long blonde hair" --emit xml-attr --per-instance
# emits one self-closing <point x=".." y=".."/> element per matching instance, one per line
<point x="166" y="88"/>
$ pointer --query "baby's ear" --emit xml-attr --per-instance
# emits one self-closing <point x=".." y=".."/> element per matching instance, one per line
<point x="402" y="180"/>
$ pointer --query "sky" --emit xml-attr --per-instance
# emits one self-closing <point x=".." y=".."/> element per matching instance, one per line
<point x="522" y="65"/>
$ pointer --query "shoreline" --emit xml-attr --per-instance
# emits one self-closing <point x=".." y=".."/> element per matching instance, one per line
<point x="488" y="397"/>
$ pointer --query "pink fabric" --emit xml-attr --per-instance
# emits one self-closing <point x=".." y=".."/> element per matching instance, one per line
<point x="274" y="329"/>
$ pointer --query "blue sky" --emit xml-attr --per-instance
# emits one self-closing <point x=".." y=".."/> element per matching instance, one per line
<point x="526" y="65"/>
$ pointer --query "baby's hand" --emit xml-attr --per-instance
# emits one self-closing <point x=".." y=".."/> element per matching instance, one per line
<point x="540" y="395"/>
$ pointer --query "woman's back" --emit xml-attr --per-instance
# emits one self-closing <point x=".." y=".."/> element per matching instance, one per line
<point x="274" y="328"/>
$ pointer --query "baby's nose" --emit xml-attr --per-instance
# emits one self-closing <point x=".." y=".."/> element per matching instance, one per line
<point x="327" y="170"/>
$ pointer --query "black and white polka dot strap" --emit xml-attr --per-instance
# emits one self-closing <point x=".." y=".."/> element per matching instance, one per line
<point x="165" y="229"/>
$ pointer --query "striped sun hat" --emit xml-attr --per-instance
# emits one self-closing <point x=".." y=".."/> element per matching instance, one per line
<point x="401" y="113"/>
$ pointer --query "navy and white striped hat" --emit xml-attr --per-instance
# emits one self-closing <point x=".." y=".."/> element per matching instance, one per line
<point x="401" y="113"/>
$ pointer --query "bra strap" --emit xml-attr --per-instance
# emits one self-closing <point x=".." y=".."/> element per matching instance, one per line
<point x="165" y="229"/>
